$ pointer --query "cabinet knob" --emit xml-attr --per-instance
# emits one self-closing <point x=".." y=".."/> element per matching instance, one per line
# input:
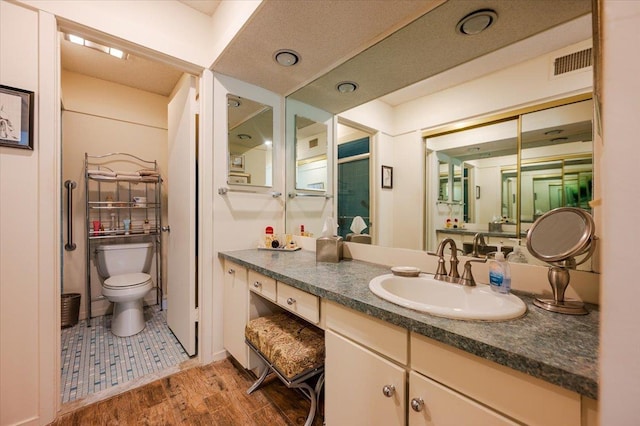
<point x="291" y="301"/>
<point x="231" y="271"/>
<point x="257" y="284"/>
<point x="388" y="390"/>
<point x="417" y="404"/>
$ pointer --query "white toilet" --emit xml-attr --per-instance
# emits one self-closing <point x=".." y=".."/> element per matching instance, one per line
<point x="124" y="270"/>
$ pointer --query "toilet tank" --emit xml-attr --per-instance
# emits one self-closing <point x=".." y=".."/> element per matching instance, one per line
<point x="117" y="259"/>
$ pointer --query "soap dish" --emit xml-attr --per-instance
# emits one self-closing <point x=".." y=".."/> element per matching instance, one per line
<point x="405" y="271"/>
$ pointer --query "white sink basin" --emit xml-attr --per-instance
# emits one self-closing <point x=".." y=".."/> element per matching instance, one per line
<point x="425" y="294"/>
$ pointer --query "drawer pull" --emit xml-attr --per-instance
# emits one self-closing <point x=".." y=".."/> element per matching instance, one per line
<point x="388" y="390"/>
<point x="257" y="284"/>
<point x="231" y="271"/>
<point x="291" y="301"/>
<point x="417" y="404"/>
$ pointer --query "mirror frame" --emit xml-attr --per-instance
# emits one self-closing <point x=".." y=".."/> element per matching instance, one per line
<point x="485" y="121"/>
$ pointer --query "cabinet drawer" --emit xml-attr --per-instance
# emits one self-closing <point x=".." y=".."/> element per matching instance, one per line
<point x="262" y="285"/>
<point x="441" y="406"/>
<point x="518" y="395"/>
<point x="381" y="336"/>
<point x="299" y="302"/>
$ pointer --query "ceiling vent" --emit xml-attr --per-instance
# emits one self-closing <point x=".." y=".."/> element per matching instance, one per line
<point x="573" y="62"/>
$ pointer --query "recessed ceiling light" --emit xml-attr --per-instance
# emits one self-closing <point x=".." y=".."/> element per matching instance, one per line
<point x="347" y="87"/>
<point x="476" y="22"/>
<point x="286" y="58"/>
<point x="244" y="136"/>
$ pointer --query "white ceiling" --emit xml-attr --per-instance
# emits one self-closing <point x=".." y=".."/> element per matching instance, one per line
<point x="208" y="7"/>
<point x="327" y="33"/>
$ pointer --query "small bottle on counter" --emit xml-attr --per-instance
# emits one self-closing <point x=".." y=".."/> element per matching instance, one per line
<point x="500" y="273"/>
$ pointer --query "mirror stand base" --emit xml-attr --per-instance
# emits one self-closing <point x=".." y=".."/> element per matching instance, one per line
<point x="564" y="307"/>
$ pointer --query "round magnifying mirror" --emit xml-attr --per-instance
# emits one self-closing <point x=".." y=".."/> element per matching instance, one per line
<point x="561" y="234"/>
<point x="557" y="237"/>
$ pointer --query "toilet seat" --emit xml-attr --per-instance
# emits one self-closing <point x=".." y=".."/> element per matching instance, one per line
<point x="125" y="281"/>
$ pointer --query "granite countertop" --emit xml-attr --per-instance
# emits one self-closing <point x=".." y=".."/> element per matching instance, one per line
<point x="560" y="349"/>
<point x="465" y="231"/>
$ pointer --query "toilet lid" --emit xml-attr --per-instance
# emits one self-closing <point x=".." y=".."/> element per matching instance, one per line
<point x="127" y="280"/>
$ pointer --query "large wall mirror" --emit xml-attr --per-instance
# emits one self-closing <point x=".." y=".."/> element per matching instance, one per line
<point x="477" y="181"/>
<point x="491" y="173"/>
<point x="250" y="142"/>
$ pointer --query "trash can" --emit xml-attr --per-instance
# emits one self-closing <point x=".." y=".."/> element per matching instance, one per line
<point x="69" y="309"/>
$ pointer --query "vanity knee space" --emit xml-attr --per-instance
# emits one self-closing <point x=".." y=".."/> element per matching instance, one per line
<point x="248" y="295"/>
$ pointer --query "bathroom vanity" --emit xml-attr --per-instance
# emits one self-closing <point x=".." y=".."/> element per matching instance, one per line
<point x="389" y="365"/>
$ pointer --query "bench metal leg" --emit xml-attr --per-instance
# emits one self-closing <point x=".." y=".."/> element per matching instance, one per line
<point x="312" y="394"/>
<point x="258" y="382"/>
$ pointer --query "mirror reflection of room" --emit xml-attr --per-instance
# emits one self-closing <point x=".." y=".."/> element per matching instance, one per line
<point x="311" y="155"/>
<point x="250" y="127"/>
<point x="487" y="192"/>
<point x="354" y="191"/>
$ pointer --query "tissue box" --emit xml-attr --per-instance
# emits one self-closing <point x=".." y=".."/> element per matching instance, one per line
<point x="329" y="249"/>
<point x="495" y="227"/>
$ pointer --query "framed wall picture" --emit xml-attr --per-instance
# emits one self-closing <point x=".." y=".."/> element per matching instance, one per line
<point x="16" y="117"/>
<point x="236" y="163"/>
<point x="387" y="177"/>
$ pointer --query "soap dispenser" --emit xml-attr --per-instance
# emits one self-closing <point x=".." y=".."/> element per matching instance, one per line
<point x="500" y="273"/>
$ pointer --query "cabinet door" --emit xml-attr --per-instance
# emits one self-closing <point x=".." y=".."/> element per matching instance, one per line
<point x="235" y="311"/>
<point x="433" y="404"/>
<point x="355" y="382"/>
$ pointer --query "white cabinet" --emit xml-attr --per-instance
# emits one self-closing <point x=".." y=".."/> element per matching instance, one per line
<point x="446" y="386"/>
<point x="235" y="311"/>
<point x="361" y="388"/>
<point x="430" y="403"/>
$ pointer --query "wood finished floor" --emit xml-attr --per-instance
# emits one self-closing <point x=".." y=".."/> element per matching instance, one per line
<point x="213" y="394"/>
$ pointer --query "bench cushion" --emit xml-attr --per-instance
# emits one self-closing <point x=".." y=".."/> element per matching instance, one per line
<point x="292" y="345"/>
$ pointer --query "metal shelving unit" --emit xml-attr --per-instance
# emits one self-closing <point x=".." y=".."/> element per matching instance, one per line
<point x="110" y="189"/>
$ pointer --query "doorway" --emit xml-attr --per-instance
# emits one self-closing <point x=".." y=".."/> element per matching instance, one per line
<point x="105" y="110"/>
<point x="353" y="179"/>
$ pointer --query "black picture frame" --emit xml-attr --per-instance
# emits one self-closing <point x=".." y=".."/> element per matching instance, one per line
<point x="387" y="177"/>
<point x="16" y="117"/>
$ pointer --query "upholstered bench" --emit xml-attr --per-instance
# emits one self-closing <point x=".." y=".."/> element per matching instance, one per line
<point x="292" y="349"/>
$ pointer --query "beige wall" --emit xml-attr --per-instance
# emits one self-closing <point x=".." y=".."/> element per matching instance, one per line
<point x="29" y="263"/>
<point x="620" y="327"/>
<point x="101" y="117"/>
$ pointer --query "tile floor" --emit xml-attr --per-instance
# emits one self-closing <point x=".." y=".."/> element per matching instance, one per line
<point x="93" y="359"/>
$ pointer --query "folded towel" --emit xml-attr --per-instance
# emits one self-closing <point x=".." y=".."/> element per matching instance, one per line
<point x="120" y="173"/>
<point x="129" y="177"/>
<point x="101" y="172"/>
<point x="148" y="172"/>
<point x="358" y="225"/>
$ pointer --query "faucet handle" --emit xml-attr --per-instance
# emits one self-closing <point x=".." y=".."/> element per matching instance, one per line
<point x="442" y="270"/>
<point x="467" y="277"/>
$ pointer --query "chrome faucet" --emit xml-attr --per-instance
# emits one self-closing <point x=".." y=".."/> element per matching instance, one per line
<point x="453" y="276"/>
<point x="478" y="241"/>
